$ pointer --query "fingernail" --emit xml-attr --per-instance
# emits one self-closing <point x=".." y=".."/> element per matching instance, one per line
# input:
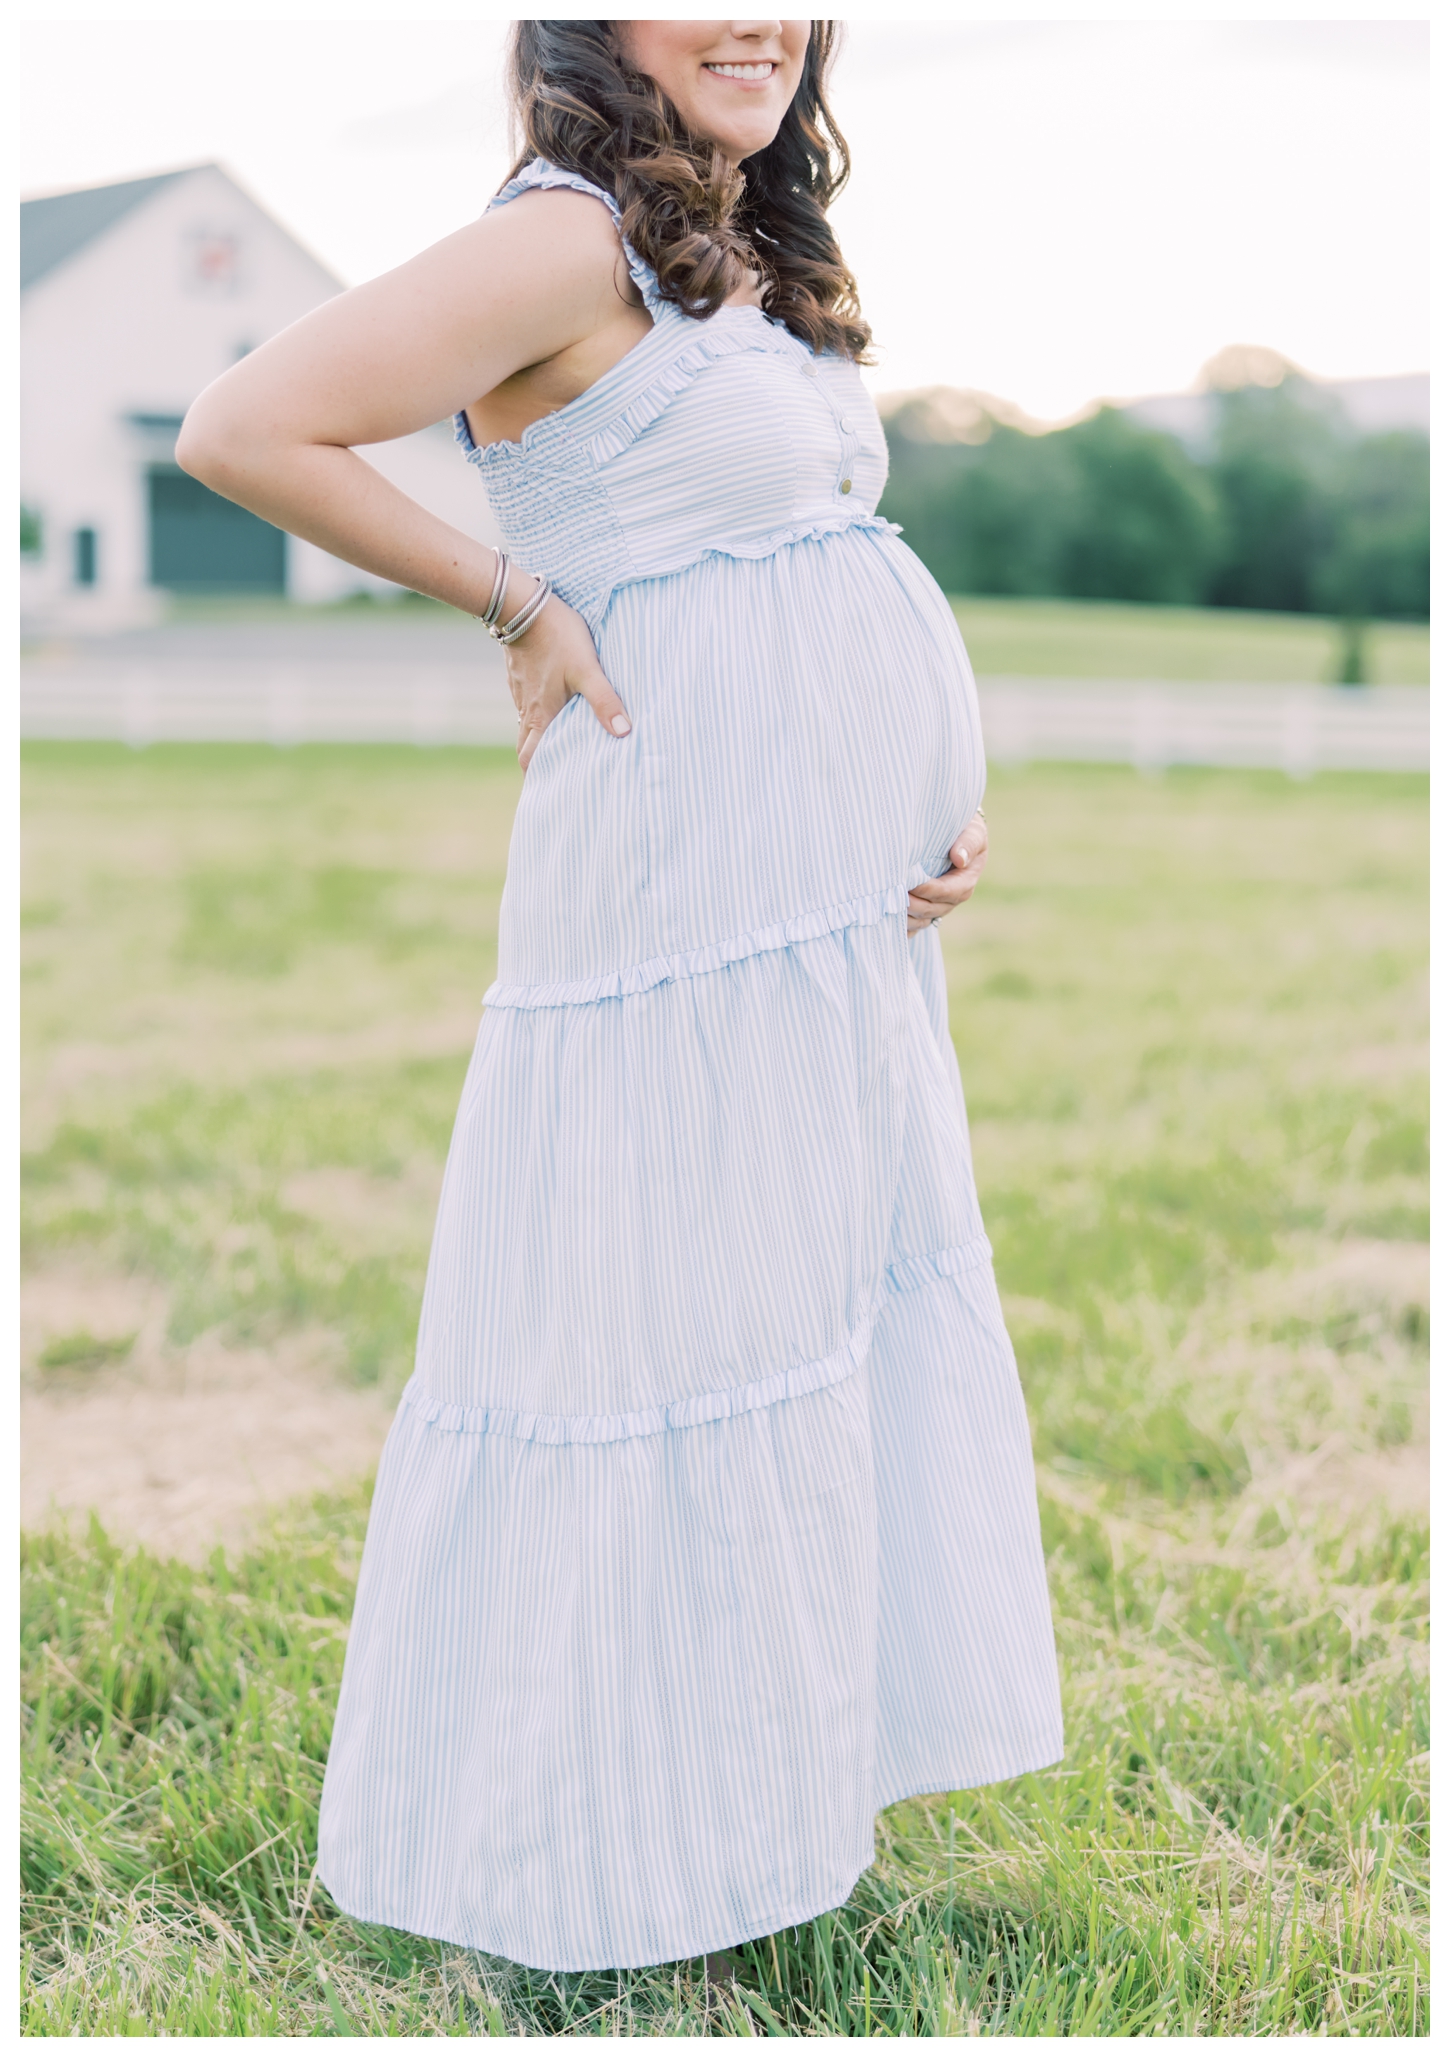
<point x="620" y="724"/>
<point x="960" y="856"/>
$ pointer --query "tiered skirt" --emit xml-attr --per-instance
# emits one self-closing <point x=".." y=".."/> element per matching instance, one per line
<point x="707" y="1524"/>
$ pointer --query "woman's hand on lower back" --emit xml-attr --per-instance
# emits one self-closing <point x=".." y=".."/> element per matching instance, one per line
<point x="552" y="661"/>
<point x="933" y="898"/>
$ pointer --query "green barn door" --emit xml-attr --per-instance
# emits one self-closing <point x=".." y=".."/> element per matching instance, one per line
<point x="201" y="543"/>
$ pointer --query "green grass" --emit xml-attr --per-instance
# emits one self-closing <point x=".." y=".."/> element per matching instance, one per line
<point x="1109" y="639"/>
<point x="242" y="966"/>
<point x="81" y="1351"/>
<point x="1191" y="1016"/>
<point x="1234" y="1843"/>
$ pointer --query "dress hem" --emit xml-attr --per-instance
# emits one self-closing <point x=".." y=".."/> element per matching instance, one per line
<point x="920" y="1789"/>
<point x="734" y="1938"/>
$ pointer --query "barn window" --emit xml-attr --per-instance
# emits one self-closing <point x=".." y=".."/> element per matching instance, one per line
<point x="83" y="548"/>
<point x="213" y="262"/>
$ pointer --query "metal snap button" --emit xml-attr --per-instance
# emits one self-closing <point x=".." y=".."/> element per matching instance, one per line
<point x="845" y="485"/>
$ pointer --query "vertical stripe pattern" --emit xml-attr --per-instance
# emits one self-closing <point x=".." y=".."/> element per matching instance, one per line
<point x="707" y="1523"/>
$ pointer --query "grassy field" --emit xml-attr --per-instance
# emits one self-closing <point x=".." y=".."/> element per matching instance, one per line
<point x="1191" y="1014"/>
<point x="1107" y="640"/>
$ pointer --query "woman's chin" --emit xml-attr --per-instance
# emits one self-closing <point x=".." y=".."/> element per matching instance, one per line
<point x="744" y="141"/>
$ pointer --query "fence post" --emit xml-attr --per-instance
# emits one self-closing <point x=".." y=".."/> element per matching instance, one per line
<point x="138" y="708"/>
<point x="1152" y="740"/>
<point x="287" y="721"/>
<point x="1298" y="734"/>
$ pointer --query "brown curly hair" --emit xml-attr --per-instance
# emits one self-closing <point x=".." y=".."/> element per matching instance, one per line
<point x="701" y="223"/>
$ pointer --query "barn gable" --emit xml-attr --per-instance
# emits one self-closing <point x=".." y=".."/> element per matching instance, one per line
<point x="57" y="225"/>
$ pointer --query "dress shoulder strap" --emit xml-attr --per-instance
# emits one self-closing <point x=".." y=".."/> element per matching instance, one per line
<point x="543" y="176"/>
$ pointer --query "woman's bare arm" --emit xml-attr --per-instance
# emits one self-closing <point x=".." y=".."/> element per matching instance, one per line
<point x="540" y="283"/>
<point x="535" y="299"/>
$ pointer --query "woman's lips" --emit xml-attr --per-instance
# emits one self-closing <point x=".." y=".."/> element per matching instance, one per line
<point x="743" y="74"/>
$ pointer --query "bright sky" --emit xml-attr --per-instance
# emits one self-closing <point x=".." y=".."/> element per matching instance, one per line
<point x="1049" y="211"/>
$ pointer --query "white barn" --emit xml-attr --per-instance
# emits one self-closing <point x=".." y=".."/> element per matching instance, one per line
<point x="134" y="296"/>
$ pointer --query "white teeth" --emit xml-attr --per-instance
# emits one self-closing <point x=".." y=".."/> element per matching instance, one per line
<point x="741" y="71"/>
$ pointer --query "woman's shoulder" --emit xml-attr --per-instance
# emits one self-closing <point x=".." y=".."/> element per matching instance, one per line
<point x="579" y="221"/>
<point x="576" y="212"/>
<point x="557" y="186"/>
<point x="552" y="232"/>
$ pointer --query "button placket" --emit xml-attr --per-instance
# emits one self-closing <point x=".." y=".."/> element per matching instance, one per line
<point x="850" y="450"/>
<point x="841" y="422"/>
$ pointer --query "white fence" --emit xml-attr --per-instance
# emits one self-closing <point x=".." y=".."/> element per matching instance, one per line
<point x="438" y="699"/>
<point x="1295" y="729"/>
<point x="307" y="700"/>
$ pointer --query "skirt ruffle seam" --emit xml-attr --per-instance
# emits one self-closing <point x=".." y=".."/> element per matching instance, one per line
<point x="793" y="1383"/>
<point x="689" y="964"/>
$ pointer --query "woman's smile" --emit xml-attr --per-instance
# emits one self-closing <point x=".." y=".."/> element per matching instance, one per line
<point x="744" y="74"/>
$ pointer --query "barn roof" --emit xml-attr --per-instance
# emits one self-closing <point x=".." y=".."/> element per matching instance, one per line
<point x="56" y="227"/>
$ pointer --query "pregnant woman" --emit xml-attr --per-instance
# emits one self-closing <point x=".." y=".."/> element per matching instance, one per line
<point x="706" y="1527"/>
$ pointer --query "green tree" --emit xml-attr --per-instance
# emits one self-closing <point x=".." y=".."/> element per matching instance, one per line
<point x="1277" y="449"/>
<point x="1291" y="512"/>
<point x="1378" y="559"/>
<point x="1103" y="510"/>
<point x="984" y="506"/>
<point x="1146" y="521"/>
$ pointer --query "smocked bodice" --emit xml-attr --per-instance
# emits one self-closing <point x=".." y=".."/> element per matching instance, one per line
<point x="726" y="435"/>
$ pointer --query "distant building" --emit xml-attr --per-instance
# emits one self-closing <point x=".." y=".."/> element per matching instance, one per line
<point x="133" y="298"/>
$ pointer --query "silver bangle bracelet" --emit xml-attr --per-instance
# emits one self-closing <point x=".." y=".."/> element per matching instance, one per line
<point x="494" y="609"/>
<point x="527" y="615"/>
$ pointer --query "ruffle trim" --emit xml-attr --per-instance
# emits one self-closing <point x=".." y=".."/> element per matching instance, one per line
<point x="728" y="332"/>
<point x="914" y="1272"/>
<point x="809" y="529"/>
<point x="685" y="347"/>
<point x="792" y="1384"/>
<point x="689" y="964"/>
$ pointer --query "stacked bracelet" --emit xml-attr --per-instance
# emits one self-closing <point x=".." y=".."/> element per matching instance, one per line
<point x="494" y="609"/>
<point x="510" y="631"/>
<point x="527" y="615"/>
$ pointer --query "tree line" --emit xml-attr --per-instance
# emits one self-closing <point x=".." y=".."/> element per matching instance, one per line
<point x="1284" y="508"/>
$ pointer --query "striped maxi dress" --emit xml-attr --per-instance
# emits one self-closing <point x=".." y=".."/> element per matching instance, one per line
<point x="706" y="1526"/>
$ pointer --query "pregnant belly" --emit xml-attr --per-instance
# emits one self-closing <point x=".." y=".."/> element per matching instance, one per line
<point x="805" y="738"/>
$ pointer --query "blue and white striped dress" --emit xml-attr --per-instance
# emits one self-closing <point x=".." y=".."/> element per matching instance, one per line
<point x="707" y="1525"/>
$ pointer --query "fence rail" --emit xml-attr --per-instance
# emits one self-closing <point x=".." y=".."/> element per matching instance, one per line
<point x="307" y="700"/>
<point x="1295" y="729"/>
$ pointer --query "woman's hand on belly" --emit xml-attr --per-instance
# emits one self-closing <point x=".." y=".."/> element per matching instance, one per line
<point x="553" y="660"/>
<point x="933" y="898"/>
